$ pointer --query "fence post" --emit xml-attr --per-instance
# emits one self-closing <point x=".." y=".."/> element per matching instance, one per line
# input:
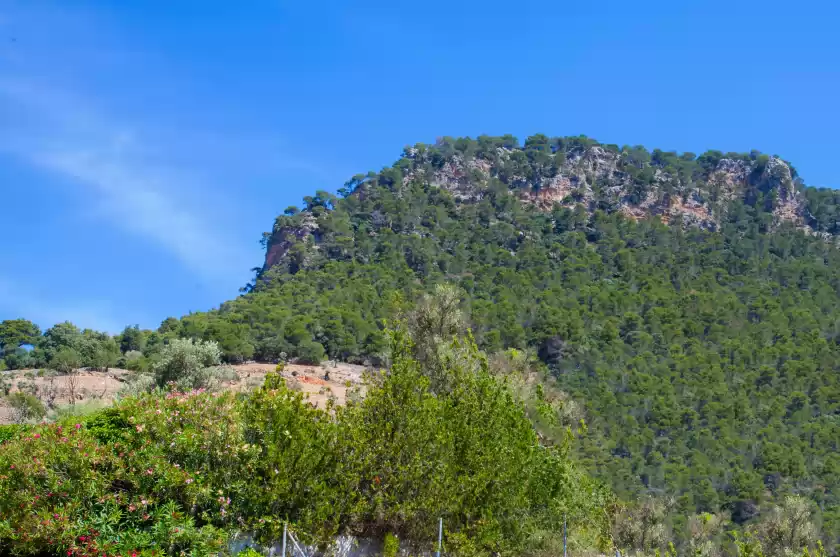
<point x="440" y="537"/>
<point x="564" y="535"/>
<point x="283" y="550"/>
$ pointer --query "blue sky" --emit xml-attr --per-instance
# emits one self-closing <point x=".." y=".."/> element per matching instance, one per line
<point x="145" y="146"/>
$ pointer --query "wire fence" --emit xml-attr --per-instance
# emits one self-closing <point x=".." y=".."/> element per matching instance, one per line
<point x="291" y="545"/>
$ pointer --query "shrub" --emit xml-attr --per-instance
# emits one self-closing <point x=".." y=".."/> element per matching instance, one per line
<point x="108" y="425"/>
<point x="310" y="352"/>
<point x="10" y="431"/>
<point x="210" y="378"/>
<point x="62" y="490"/>
<point x="183" y="361"/>
<point x="138" y="384"/>
<point x="297" y="467"/>
<point x="66" y="361"/>
<point x="390" y="546"/>
<point x="135" y="361"/>
<point x="25" y="407"/>
<point x="28" y="386"/>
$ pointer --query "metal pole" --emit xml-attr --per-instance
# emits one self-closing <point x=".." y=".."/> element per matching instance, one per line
<point x="440" y="537"/>
<point x="564" y="535"/>
<point x="283" y="551"/>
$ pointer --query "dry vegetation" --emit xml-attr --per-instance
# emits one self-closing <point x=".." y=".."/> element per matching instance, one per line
<point x="86" y="387"/>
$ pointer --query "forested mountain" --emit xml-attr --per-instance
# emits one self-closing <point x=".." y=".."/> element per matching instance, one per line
<point x="688" y="305"/>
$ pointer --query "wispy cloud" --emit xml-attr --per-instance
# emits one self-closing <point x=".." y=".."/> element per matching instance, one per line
<point x="128" y="178"/>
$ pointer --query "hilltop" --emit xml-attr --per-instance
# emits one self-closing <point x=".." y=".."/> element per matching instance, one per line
<point x="579" y="172"/>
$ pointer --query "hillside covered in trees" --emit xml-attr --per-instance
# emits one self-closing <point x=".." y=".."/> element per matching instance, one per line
<point x="690" y="303"/>
<point x="687" y="306"/>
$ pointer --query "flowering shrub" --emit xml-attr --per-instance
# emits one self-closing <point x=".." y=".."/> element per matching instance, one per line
<point x="180" y="472"/>
<point x="64" y="488"/>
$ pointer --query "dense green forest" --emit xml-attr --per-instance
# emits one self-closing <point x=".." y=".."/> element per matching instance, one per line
<point x="689" y="306"/>
<point x="706" y="358"/>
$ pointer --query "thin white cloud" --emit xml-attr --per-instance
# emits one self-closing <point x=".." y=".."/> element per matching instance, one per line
<point x="134" y="188"/>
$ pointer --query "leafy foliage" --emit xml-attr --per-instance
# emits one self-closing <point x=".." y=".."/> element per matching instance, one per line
<point x="25" y="407"/>
<point x="184" y="361"/>
<point x="184" y="471"/>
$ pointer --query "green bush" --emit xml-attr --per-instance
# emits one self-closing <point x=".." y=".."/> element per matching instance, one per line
<point x="184" y="361"/>
<point x="391" y="545"/>
<point x="9" y="432"/>
<point x="138" y="384"/>
<point x="135" y="361"/>
<point x="108" y="426"/>
<point x="65" y="489"/>
<point x="25" y="407"/>
<point x="66" y="360"/>
<point x="311" y="353"/>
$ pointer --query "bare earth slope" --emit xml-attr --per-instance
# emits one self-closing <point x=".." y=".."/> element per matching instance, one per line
<point x="92" y="386"/>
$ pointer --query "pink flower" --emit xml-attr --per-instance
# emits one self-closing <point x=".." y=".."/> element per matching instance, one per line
<point x="189" y="480"/>
<point x="132" y="508"/>
<point x="149" y="471"/>
<point x="37" y="436"/>
<point x="78" y="426"/>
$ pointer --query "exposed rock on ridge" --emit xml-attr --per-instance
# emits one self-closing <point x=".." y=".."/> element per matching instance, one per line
<point x="578" y="172"/>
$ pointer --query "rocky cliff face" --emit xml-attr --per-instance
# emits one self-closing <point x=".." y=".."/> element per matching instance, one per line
<point x="578" y="172"/>
<point x="597" y="178"/>
<point x="284" y="238"/>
